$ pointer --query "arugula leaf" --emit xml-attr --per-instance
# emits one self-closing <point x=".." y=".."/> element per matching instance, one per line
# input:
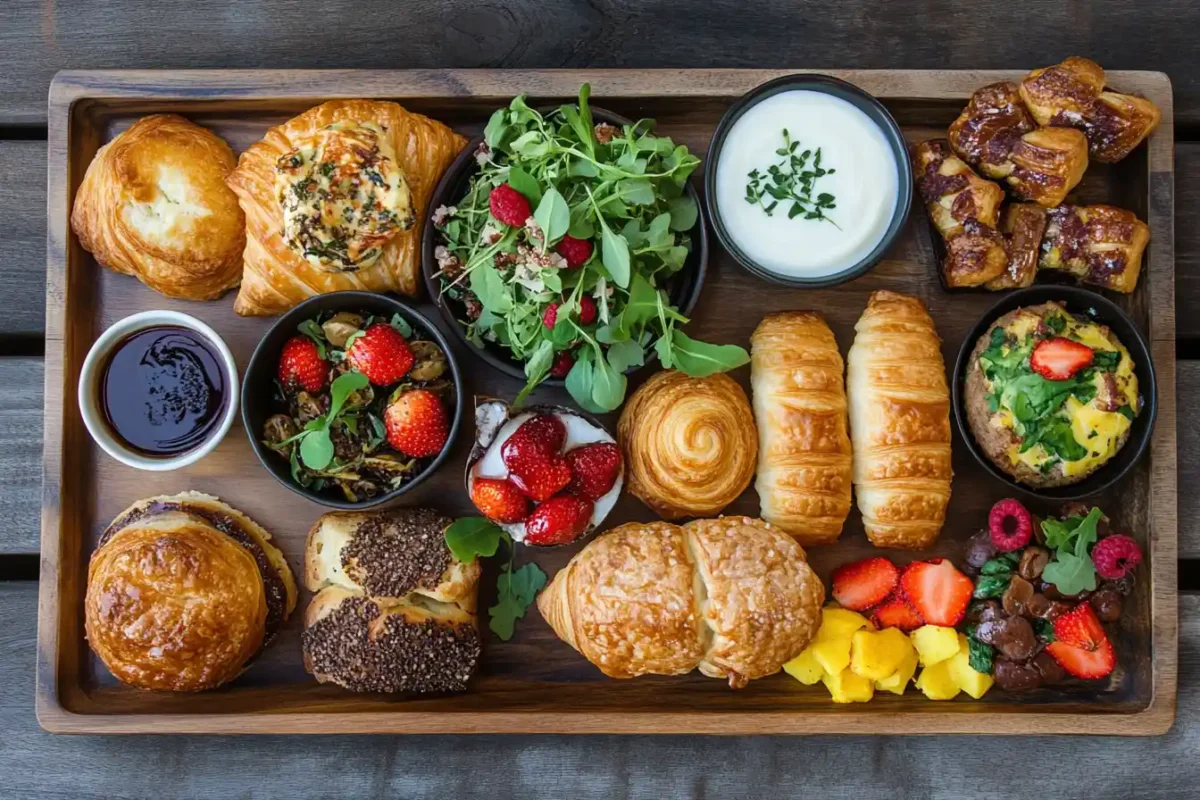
<point x="700" y="359"/>
<point x="525" y="183"/>
<point x="614" y="252"/>
<point x="489" y="287"/>
<point x="401" y="325"/>
<point x="473" y="536"/>
<point x="626" y="354"/>
<point x="314" y="331"/>
<point x="580" y="381"/>
<point x="316" y="449"/>
<point x="635" y="191"/>
<point x="1070" y="573"/>
<point x="608" y="385"/>
<point x="496" y="129"/>
<point x="684" y="213"/>
<point x="515" y="592"/>
<point x="1072" y="570"/>
<point x="316" y="446"/>
<point x="553" y="217"/>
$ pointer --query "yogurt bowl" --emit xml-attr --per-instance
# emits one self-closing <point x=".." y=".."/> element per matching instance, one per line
<point x="808" y="181"/>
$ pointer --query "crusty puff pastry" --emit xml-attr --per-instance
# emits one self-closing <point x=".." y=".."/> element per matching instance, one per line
<point x="1099" y="244"/>
<point x="899" y="422"/>
<point x="689" y="443"/>
<point x="731" y="596"/>
<point x="276" y="277"/>
<point x="154" y="204"/>
<point x="797" y="380"/>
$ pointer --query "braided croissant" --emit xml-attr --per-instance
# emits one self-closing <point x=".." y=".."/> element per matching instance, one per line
<point x="731" y="596"/>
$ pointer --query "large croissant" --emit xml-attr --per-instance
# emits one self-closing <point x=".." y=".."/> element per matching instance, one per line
<point x="277" y="277"/>
<point x="732" y="596"/>
<point x="899" y="422"/>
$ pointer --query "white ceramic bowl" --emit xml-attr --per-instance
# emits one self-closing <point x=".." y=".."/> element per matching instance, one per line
<point x="89" y="396"/>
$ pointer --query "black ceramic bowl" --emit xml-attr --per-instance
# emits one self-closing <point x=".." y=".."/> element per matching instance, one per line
<point x="1104" y="311"/>
<point x="683" y="287"/>
<point x="258" y="386"/>
<point x="860" y="100"/>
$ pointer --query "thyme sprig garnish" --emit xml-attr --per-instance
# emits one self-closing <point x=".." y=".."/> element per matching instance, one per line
<point x="793" y="180"/>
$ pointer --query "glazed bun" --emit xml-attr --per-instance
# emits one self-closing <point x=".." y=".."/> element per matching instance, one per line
<point x="394" y="609"/>
<point x="183" y="592"/>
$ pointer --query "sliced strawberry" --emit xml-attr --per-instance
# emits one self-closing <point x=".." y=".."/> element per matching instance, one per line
<point x="532" y="457"/>
<point x="1058" y="359"/>
<point x="897" y="612"/>
<point x="381" y="353"/>
<point x="938" y="591"/>
<point x="416" y="423"/>
<point x="559" y="520"/>
<point x="499" y="500"/>
<point x="862" y="584"/>
<point x="594" y="469"/>
<point x="1080" y="627"/>
<point x="301" y="365"/>
<point x="541" y="433"/>
<point x="1084" y="663"/>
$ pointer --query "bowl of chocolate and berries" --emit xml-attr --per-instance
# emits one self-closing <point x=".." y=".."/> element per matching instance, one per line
<point x="1045" y="590"/>
<point x="352" y="399"/>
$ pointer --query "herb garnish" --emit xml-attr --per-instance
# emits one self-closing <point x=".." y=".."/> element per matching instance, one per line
<point x="1072" y="570"/>
<point x="793" y="180"/>
<point x="316" y="446"/>
<point x="470" y="537"/>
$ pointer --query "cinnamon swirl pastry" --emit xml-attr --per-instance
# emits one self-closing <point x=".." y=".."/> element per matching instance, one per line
<point x="689" y="443"/>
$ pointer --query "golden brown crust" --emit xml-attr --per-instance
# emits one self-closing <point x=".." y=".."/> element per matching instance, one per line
<point x="1100" y="244"/>
<point x="1071" y="94"/>
<point x="154" y="204"/>
<point x="797" y="377"/>
<point x="731" y="596"/>
<point x="276" y="277"/>
<point x="1022" y="225"/>
<point x="173" y="604"/>
<point x="899" y="422"/>
<point x="690" y="443"/>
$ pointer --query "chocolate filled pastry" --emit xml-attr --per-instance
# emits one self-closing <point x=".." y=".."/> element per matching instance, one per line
<point x="997" y="135"/>
<point x="1022" y="225"/>
<point x="183" y="592"/>
<point x="1101" y="245"/>
<point x="965" y="209"/>
<point x="899" y="422"/>
<point x="798" y="381"/>
<point x="690" y="443"/>
<point x="731" y="596"/>
<point x="394" y="610"/>
<point x="154" y="204"/>
<point x="1071" y="95"/>
<point x="335" y="199"/>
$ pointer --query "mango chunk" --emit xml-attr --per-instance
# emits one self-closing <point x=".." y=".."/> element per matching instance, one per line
<point x="897" y="682"/>
<point x="876" y="655"/>
<point x="840" y="623"/>
<point x="832" y="654"/>
<point x="973" y="683"/>
<point x="934" y="643"/>
<point x="805" y="668"/>
<point x="846" y="687"/>
<point x="937" y="683"/>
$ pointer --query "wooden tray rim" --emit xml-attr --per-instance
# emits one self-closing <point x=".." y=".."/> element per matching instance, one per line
<point x="72" y="87"/>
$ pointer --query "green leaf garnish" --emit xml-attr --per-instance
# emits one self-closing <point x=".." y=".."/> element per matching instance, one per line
<point x="473" y="537"/>
<point x="316" y="446"/>
<point x="792" y="181"/>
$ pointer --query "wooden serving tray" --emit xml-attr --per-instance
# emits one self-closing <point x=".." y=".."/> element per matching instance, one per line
<point x="535" y="683"/>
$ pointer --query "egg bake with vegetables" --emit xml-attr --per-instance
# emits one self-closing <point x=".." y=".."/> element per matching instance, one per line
<point x="1050" y="396"/>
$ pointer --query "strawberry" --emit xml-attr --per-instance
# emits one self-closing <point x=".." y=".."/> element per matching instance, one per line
<point x="499" y="500"/>
<point x="594" y="469"/>
<point x="1084" y="663"/>
<point x="550" y="316"/>
<point x="416" y="423"/>
<point x="1080" y="627"/>
<point x="532" y="457"/>
<point x="509" y="206"/>
<point x="1058" y="359"/>
<point x="587" y="310"/>
<point x="575" y="251"/>
<point x="381" y="354"/>
<point x="300" y="364"/>
<point x="559" y="520"/>
<point x="562" y="364"/>
<point x="938" y="591"/>
<point x="860" y="585"/>
<point x="897" y="612"/>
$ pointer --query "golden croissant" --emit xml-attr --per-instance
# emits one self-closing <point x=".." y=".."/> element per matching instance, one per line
<point x="689" y="443"/>
<point x="732" y="596"/>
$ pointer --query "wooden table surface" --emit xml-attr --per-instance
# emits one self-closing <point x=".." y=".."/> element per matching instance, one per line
<point x="39" y="37"/>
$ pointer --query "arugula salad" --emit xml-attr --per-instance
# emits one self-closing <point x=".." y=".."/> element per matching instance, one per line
<point x="561" y="249"/>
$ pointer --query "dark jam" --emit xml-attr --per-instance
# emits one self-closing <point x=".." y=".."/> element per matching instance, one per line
<point x="163" y="391"/>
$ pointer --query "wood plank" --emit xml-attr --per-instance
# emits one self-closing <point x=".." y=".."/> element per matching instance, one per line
<point x="1188" y="383"/>
<point x="38" y="38"/>
<point x="23" y="243"/>
<point x="1187" y="240"/>
<point x="20" y="452"/>
<point x="604" y="766"/>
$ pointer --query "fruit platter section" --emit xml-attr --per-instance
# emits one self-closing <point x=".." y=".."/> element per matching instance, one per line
<point x="680" y="401"/>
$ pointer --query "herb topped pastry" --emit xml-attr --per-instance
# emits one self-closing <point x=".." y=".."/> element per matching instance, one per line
<point x="1050" y="396"/>
<point x="334" y="200"/>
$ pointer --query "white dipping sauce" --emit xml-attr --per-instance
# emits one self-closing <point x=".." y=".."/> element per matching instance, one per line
<point x="865" y="184"/>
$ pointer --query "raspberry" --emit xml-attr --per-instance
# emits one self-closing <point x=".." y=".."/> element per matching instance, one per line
<point x="509" y="206"/>
<point x="575" y="251"/>
<point x="550" y="316"/>
<point x="1116" y="556"/>
<point x="587" y="310"/>
<point x="562" y="364"/>
<point x="1009" y="525"/>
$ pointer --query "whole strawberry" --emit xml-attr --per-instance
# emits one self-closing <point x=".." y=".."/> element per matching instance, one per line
<point x="559" y="520"/>
<point x="594" y="469"/>
<point x="381" y="353"/>
<point x="499" y="500"/>
<point x="509" y="206"/>
<point x="301" y="365"/>
<point x="575" y="251"/>
<point x="416" y="423"/>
